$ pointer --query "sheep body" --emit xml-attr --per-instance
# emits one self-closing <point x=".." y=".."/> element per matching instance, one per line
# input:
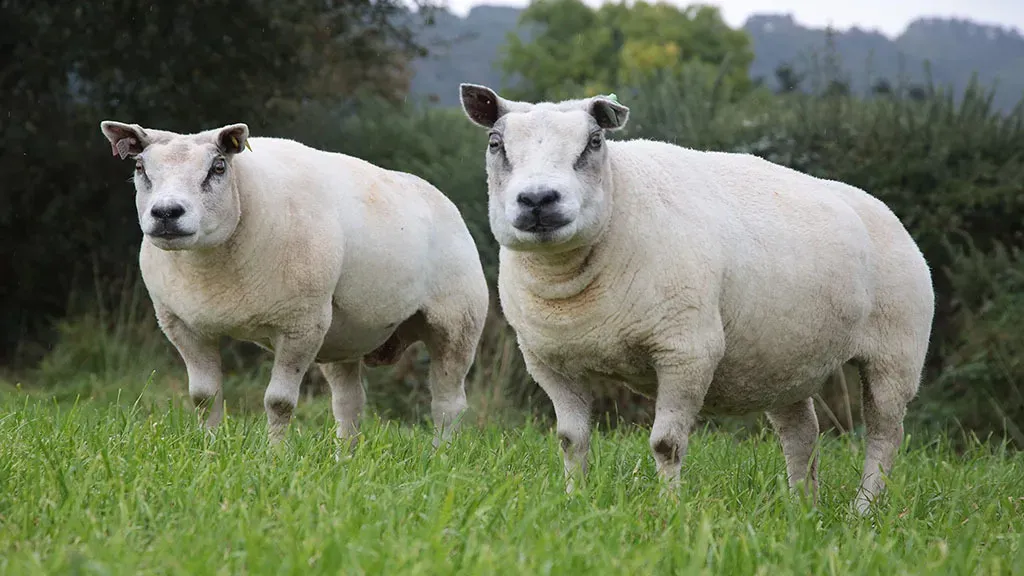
<point x="710" y="281"/>
<point x="330" y="259"/>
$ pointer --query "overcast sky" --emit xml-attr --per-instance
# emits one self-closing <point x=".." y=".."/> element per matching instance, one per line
<point x="887" y="16"/>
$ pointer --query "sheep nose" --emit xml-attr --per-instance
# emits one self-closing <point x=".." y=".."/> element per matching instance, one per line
<point x="538" y="198"/>
<point x="167" y="211"/>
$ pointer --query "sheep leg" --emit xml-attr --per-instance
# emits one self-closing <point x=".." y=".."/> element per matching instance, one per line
<point x="572" y="404"/>
<point x="682" y="386"/>
<point x="453" y="332"/>
<point x="797" y="427"/>
<point x="294" y="352"/>
<point x="347" y="397"/>
<point x="447" y="377"/>
<point x="886" y="393"/>
<point x="202" y="363"/>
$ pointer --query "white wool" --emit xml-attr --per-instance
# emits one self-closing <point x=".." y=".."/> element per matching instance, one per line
<point x="318" y="256"/>
<point x="711" y="281"/>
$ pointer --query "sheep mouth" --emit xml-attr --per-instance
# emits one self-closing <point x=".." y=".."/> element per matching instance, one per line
<point x="168" y="231"/>
<point x="540" y="224"/>
<point x="170" y="234"/>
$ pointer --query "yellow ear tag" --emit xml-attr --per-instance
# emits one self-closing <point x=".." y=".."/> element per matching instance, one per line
<point x="235" y="142"/>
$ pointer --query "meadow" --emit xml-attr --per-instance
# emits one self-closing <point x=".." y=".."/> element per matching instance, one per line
<point x="103" y="469"/>
<point x="134" y="487"/>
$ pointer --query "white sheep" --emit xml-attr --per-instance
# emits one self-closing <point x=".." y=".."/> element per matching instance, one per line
<point x="710" y="281"/>
<point x="319" y="257"/>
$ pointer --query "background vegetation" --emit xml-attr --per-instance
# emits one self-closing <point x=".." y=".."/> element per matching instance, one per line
<point x="75" y="321"/>
<point x="947" y="51"/>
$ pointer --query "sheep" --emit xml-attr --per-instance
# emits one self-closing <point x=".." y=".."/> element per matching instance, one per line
<point x="316" y="256"/>
<point x="711" y="282"/>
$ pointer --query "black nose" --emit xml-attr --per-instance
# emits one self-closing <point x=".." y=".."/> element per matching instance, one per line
<point x="167" y="211"/>
<point x="538" y="198"/>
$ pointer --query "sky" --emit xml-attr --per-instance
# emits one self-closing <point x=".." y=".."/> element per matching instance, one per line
<point x="889" y="17"/>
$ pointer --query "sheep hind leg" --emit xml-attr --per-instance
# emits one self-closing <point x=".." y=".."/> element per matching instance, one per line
<point x="348" y="397"/>
<point x="797" y="428"/>
<point x="451" y="337"/>
<point x="887" y="391"/>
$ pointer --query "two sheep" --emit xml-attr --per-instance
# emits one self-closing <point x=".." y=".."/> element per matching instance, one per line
<point x="319" y="257"/>
<point x="710" y="281"/>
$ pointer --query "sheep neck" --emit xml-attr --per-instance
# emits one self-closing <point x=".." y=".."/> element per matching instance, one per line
<point x="559" y="276"/>
<point x="243" y="248"/>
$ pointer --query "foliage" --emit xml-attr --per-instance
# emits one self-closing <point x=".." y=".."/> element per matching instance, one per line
<point x="467" y="50"/>
<point x="579" y="50"/>
<point x="982" y="387"/>
<point x="65" y="210"/>
<point x="105" y="488"/>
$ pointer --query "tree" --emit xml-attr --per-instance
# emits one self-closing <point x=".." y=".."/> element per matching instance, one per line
<point x="837" y="88"/>
<point x="788" y="79"/>
<point x="66" y="211"/>
<point x="882" y="87"/>
<point x="917" y="93"/>
<point x="575" y="50"/>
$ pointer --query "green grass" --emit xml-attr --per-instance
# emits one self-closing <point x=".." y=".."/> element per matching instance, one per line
<point x="105" y="488"/>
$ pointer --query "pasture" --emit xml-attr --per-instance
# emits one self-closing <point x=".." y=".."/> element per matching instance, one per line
<point x="103" y="469"/>
<point x="132" y="487"/>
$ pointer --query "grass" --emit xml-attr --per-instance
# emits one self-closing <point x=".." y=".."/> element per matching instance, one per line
<point x="123" y="488"/>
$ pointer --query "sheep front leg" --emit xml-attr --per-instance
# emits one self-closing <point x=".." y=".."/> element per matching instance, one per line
<point x="572" y="403"/>
<point x="294" y="352"/>
<point x="682" y="385"/>
<point x="202" y="363"/>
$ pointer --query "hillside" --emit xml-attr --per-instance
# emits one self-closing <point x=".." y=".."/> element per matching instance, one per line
<point x="466" y="50"/>
<point x="955" y="50"/>
<point x="462" y="50"/>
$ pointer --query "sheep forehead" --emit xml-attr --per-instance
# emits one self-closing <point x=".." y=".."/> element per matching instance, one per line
<point x="183" y="153"/>
<point x="553" y="130"/>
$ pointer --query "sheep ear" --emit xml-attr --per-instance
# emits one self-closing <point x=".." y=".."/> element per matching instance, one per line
<point x="608" y="113"/>
<point x="125" y="139"/>
<point x="482" y="105"/>
<point x="233" y="139"/>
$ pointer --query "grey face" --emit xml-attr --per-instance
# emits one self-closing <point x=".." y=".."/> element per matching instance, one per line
<point x="185" y="191"/>
<point x="547" y="167"/>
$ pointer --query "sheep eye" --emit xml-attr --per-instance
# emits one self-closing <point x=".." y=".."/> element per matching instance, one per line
<point x="494" y="143"/>
<point x="138" y="166"/>
<point x="219" y="166"/>
<point x="595" y="140"/>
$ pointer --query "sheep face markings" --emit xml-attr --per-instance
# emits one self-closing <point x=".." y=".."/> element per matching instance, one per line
<point x="186" y="195"/>
<point x="547" y="168"/>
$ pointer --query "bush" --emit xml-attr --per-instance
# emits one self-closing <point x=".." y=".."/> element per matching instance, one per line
<point x="982" y="385"/>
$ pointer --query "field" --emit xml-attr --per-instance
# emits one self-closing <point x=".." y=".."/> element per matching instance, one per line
<point x="129" y="488"/>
